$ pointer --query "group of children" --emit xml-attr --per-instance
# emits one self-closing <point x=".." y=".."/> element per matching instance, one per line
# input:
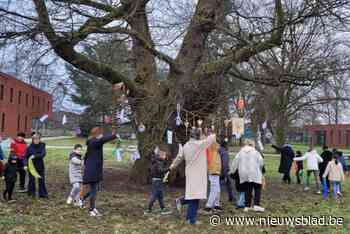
<point x="328" y="169"/>
<point x="20" y="155"/>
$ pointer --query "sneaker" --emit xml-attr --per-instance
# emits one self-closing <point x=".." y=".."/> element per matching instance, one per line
<point x="95" y="213"/>
<point x="258" y="209"/>
<point x="11" y="201"/>
<point x="69" y="200"/>
<point x="147" y="212"/>
<point x="246" y="209"/>
<point x="339" y="194"/>
<point x="178" y="205"/>
<point x="22" y="190"/>
<point x="207" y="210"/>
<point x="318" y="192"/>
<point x="196" y="223"/>
<point x="165" y="211"/>
<point x="218" y="208"/>
<point x="240" y="207"/>
<point x="306" y="189"/>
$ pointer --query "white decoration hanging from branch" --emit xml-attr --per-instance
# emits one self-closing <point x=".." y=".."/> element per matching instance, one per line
<point x="178" y="115"/>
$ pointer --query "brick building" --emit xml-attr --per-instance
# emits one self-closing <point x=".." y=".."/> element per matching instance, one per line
<point x="332" y="135"/>
<point x="20" y="104"/>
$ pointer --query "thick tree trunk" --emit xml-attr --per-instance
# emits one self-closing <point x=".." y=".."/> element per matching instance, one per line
<point x="281" y="129"/>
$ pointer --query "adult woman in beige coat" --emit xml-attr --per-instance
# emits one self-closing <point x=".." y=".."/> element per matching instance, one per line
<point x="194" y="154"/>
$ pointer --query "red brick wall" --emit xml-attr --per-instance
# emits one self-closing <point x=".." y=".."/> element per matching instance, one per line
<point x="21" y="110"/>
<point x="337" y="136"/>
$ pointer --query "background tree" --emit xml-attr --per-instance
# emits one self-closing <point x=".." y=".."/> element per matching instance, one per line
<point x="97" y="95"/>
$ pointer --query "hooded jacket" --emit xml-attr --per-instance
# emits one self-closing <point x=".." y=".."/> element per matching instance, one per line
<point x="158" y="167"/>
<point x="75" y="168"/>
<point x="312" y="160"/>
<point x="10" y="171"/>
<point x="334" y="171"/>
<point x="19" y="148"/>
<point x="249" y="164"/>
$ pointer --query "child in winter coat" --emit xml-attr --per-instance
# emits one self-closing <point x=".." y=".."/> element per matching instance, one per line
<point x="19" y="147"/>
<point x="158" y="171"/>
<point x="214" y="171"/>
<point x="312" y="160"/>
<point x="75" y="174"/>
<point x="335" y="173"/>
<point x="10" y="176"/>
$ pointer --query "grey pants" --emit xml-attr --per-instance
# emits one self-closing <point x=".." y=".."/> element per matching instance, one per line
<point x="75" y="192"/>
<point x="316" y="174"/>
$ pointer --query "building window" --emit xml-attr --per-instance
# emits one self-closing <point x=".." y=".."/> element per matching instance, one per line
<point x="19" y="97"/>
<point x="33" y="101"/>
<point x="48" y="106"/>
<point x="27" y="101"/>
<point x="2" y="89"/>
<point x="3" y="122"/>
<point x="26" y="123"/>
<point x="19" y="123"/>
<point x="11" y="95"/>
<point x="38" y="103"/>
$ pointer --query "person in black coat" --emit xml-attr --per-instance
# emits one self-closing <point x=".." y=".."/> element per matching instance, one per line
<point x="10" y="176"/>
<point x="93" y="161"/>
<point x="327" y="157"/>
<point x="37" y="152"/>
<point x="287" y="155"/>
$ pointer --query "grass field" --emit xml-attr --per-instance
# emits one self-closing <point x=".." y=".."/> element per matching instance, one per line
<point x="122" y="203"/>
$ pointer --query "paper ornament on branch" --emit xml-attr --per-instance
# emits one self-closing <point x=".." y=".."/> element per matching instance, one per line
<point x="178" y="116"/>
<point x="141" y="128"/>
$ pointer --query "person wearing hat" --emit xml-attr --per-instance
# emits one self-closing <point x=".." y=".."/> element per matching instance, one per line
<point x="10" y="176"/>
<point x="37" y="152"/>
<point x="196" y="172"/>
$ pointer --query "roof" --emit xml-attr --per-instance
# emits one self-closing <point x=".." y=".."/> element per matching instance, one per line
<point x="8" y="76"/>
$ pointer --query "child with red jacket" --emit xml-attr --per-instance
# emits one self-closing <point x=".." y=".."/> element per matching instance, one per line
<point x="19" y="147"/>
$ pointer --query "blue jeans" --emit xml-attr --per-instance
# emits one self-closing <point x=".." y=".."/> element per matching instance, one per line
<point x="241" y="200"/>
<point x="92" y="195"/>
<point x="336" y="188"/>
<point x="192" y="209"/>
<point x="157" y="193"/>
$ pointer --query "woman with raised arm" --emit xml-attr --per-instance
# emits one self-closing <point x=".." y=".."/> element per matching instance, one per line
<point x="196" y="172"/>
<point x="93" y="170"/>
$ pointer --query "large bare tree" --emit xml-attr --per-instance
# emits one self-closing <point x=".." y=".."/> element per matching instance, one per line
<point x="178" y="41"/>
